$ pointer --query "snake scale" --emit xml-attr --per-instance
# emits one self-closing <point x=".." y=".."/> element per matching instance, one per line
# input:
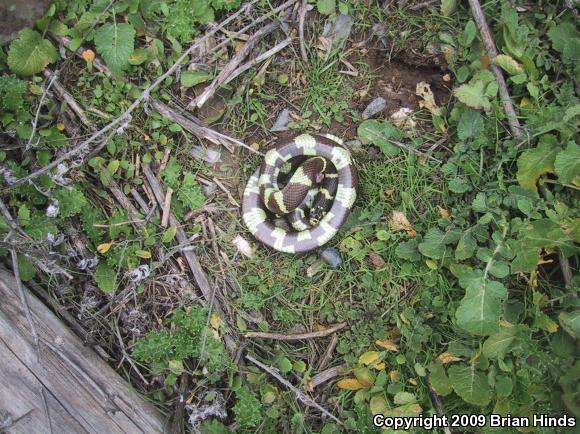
<point x="311" y="180"/>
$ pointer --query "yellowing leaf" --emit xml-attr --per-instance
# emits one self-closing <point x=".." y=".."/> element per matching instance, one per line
<point x="255" y="146"/>
<point x="447" y="357"/>
<point x="350" y="384"/>
<point x="364" y="377"/>
<point x="88" y="55"/>
<point x="387" y="345"/>
<point x="413" y="381"/>
<point x="60" y="126"/>
<point x="508" y="64"/>
<point x="443" y="213"/>
<point x="104" y="248"/>
<point x="423" y="91"/>
<point x="394" y="375"/>
<point x="215" y="320"/>
<point x="378" y="405"/>
<point x="379" y="366"/>
<point x="145" y="254"/>
<point x="368" y="357"/>
<point x="399" y="222"/>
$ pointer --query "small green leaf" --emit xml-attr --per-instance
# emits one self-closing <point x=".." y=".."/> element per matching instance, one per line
<point x="138" y="56"/>
<point x="535" y="162"/>
<point x="448" y="7"/>
<point x="497" y="345"/>
<point x="326" y="7"/>
<point x="438" y="379"/>
<point x="508" y="64"/>
<point x="169" y="234"/>
<point x="284" y="365"/>
<point x="191" y="78"/>
<point x="473" y="95"/>
<point x="567" y="164"/>
<point x="375" y="132"/>
<point x="106" y="278"/>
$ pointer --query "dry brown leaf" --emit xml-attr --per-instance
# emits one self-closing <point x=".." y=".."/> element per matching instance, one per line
<point x="387" y="344"/>
<point x="424" y="92"/>
<point x="376" y="260"/>
<point x="104" y="248"/>
<point x="447" y="357"/>
<point x="88" y="55"/>
<point x="443" y="213"/>
<point x="350" y="384"/>
<point x="400" y="222"/>
<point x="484" y="62"/>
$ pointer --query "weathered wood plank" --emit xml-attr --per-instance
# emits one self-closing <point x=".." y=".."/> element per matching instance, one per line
<point x="81" y="392"/>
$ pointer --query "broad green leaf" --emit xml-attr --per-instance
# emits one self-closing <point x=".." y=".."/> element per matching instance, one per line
<point x="438" y="379"/>
<point x="408" y="250"/>
<point x="503" y="386"/>
<point x="470" y="124"/>
<point x="479" y="310"/>
<point x="433" y="245"/>
<point x="115" y="43"/>
<point x="402" y="398"/>
<point x="448" y="7"/>
<point x="571" y="322"/>
<point x="567" y="164"/>
<point x="470" y="384"/>
<point x="561" y="34"/>
<point x="465" y="247"/>
<point x="30" y="53"/>
<point x="106" y="278"/>
<point x="326" y="7"/>
<point x="191" y="78"/>
<point x="473" y="95"/>
<point x="508" y="64"/>
<point x="375" y="132"/>
<point x="535" y="162"/>
<point x="497" y="345"/>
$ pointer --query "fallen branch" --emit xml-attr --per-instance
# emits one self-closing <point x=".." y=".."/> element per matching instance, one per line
<point x="303" y="10"/>
<point x="194" y="126"/>
<point x="40" y="104"/>
<point x="126" y="115"/>
<point x="232" y="65"/>
<point x="479" y="17"/>
<point x="63" y="94"/>
<point x="299" y="394"/>
<point x="265" y="55"/>
<point x="298" y="337"/>
<point x="439" y="406"/>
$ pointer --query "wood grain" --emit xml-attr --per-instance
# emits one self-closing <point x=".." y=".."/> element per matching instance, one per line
<point x="63" y="387"/>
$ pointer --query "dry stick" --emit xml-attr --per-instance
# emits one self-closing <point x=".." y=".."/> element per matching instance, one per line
<point x="232" y="65"/>
<point x="413" y="150"/>
<point x="191" y="258"/>
<point x="40" y="104"/>
<point x="126" y="115"/>
<point x="298" y="337"/>
<point x="265" y="55"/>
<point x="479" y="17"/>
<point x="195" y="127"/>
<point x="299" y="394"/>
<point x="166" y="207"/>
<point x="64" y="95"/>
<point x="301" y="30"/>
<point x="327" y="356"/>
<point x="327" y="375"/>
<point x="439" y="406"/>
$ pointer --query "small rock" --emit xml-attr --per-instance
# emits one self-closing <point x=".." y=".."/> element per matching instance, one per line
<point x="375" y="106"/>
<point x="331" y="256"/>
<point x="281" y="123"/>
<point x="335" y="33"/>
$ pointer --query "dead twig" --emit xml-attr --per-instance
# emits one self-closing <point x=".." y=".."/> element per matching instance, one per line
<point x="413" y="150"/>
<point x="327" y="356"/>
<point x="166" y="207"/>
<point x="297" y="337"/>
<point x="303" y="10"/>
<point x="306" y="400"/>
<point x="232" y="65"/>
<point x="40" y="104"/>
<point x="479" y="17"/>
<point x="327" y="375"/>
<point x="439" y="406"/>
<point x="63" y="94"/>
<point x="23" y="299"/>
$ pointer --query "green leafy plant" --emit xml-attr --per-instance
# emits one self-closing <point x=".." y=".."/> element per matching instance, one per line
<point x="30" y="53"/>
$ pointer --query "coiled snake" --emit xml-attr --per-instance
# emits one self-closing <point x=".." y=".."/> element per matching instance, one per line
<point x="316" y="198"/>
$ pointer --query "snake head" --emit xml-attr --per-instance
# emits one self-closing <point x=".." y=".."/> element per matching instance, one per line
<point x="316" y="215"/>
<point x="319" y="177"/>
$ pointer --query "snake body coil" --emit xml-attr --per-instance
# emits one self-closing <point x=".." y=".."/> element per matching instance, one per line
<point x="316" y="198"/>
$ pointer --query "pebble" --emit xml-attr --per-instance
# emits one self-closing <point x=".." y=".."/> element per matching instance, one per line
<point x="375" y="106"/>
<point x="331" y="256"/>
